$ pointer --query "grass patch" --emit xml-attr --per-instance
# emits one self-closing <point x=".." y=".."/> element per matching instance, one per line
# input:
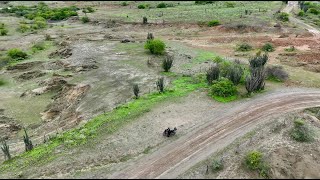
<point x="2" y="82"/>
<point x="225" y="99"/>
<point x="301" y="132"/>
<point x="254" y="161"/>
<point x="104" y="123"/>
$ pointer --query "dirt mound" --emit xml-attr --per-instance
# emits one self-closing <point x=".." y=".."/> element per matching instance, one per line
<point x="8" y="126"/>
<point x="62" y="53"/>
<point x="55" y="65"/>
<point x="239" y="28"/>
<point x="65" y="104"/>
<point x="30" y="75"/>
<point x="24" y="66"/>
<point x="311" y="58"/>
<point x="294" y="42"/>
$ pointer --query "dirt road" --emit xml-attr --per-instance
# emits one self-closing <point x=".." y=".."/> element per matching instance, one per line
<point x="294" y="4"/>
<point x="177" y="157"/>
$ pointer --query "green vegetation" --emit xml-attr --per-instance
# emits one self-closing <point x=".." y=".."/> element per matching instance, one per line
<point x="141" y="6"/>
<point x="300" y="13"/>
<point x="42" y="10"/>
<point x="276" y="73"/>
<point x="230" y="4"/>
<point x="6" y="151"/>
<point x="2" y="82"/>
<point x="167" y="63"/>
<point x="155" y="46"/>
<point x="136" y="90"/>
<point x="88" y="10"/>
<point x="283" y="16"/>
<point x="105" y="123"/>
<point x="290" y="49"/>
<point x="244" y="47"/>
<point x="38" y="47"/>
<point x="27" y="141"/>
<point x="301" y="132"/>
<point x="217" y="165"/>
<point x="223" y="88"/>
<point x="213" y="23"/>
<point x="309" y="12"/>
<point x="212" y="74"/>
<point x="162" y="5"/>
<point x="254" y="161"/>
<point x="268" y="47"/>
<point x="3" y="30"/>
<point x="85" y="19"/>
<point x="17" y="54"/>
<point x="124" y="3"/>
<point x="204" y="2"/>
<point x="160" y="85"/>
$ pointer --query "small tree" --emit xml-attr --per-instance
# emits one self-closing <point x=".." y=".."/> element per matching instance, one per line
<point x="27" y="141"/>
<point x="255" y="81"/>
<point x="167" y="63"/>
<point x="150" y="36"/>
<point x="136" y="90"/>
<point x="85" y="19"/>
<point x="5" y="150"/>
<point x="144" y="20"/>
<point x="156" y="46"/>
<point x="213" y="74"/>
<point x="235" y="73"/>
<point x="160" y="85"/>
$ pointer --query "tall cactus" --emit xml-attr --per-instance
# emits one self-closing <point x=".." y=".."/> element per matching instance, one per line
<point x="5" y="150"/>
<point x="27" y="141"/>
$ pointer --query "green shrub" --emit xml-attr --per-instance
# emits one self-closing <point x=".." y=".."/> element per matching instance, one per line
<point x="218" y="59"/>
<point x="223" y="88"/>
<point x="40" y="22"/>
<point x="204" y="2"/>
<point x="38" y="46"/>
<point x="85" y="19"/>
<point x="162" y="5"/>
<point x="301" y="132"/>
<point x="167" y="63"/>
<point x="212" y="74"/>
<point x="224" y="68"/>
<point x="3" y="32"/>
<point x="124" y="4"/>
<point x="88" y="10"/>
<point x="283" y="16"/>
<point x="244" y="47"/>
<point x="290" y="49"/>
<point x="141" y="6"/>
<point x="2" y="82"/>
<point x="217" y="165"/>
<point x="268" y="47"/>
<point x="230" y="4"/>
<point x="254" y="161"/>
<point x="301" y="13"/>
<point x="23" y="28"/>
<point x="313" y="11"/>
<point x="156" y="46"/>
<point x="213" y="23"/>
<point x="17" y="54"/>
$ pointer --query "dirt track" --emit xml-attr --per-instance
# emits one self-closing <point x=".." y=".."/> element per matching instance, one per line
<point x="175" y="158"/>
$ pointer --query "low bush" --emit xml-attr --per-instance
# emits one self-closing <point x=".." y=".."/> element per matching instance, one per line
<point x="155" y="46"/>
<point x="217" y="165"/>
<point x="301" y="132"/>
<point x="141" y="6"/>
<point x="136" y="90"/>
<point x="3" y="32"/>
<point x="268" y="47"/>
<point x="276" y="73"/>
<point x="258" y="61"/>
<point x="160" y="85"/>
<point x="290" y="49"/>
<point x="254" y="161"/>
<point x="212" y="74"/>
<point x="283" y="16"/>
<point x="38" y="46"/>
<point x="85" y="19"/>
<point x="230" y="4"/>
<point x="17" y="54"/>
<point x="88" y="10"/>
<point x="213" y="23"/>
<point x="223" y="88"/>
<point x="301" y="13"/>
<point x="313" y="11"/>
<point x="235" y="74"/>
<point x="23" y="28"/>
<point x="244" y="47"/>
<point x="124" y="4"/>
<point x="162" y="5"/>
<point x="167" y="63"/>
<point x="204" y="2"/>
